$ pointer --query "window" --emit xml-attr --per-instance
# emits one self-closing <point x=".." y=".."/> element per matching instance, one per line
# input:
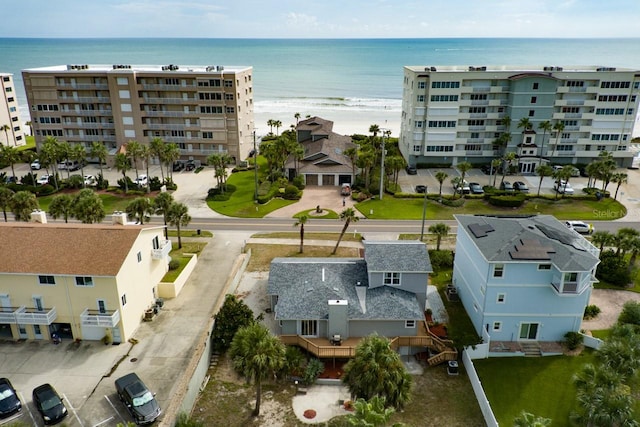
<point x="391" y="278"/>
<point x="84" y="281"/>
<point x="230" y="110"/>
<point x="534" y="99"/>
<point x="9" y="89"/>
<point x="544" y="266"/>
<point x="410" y="324"/>
<point x="122" y="81"/>
<point x="498" y="270"/>
<point x="228" y="96"/>
<point x="535" y="86"/>
<point x="445" y="85"/>
<point x="420" y="98"/>
<point x="532" y="113"/>
<point x="47" y="280"/>
<point x="497" y="326"/>
<point x="570" y="277"/>
<point x="139" y="256"/>
<point x="501" y="298"/>
<point x="123" y="298"/>
<point x="228" y="83"/>
<point x="416" y="148"/>
<point x="308" y="327"/>
<point x="207" y="135"/>
<point x="422" y="85"/>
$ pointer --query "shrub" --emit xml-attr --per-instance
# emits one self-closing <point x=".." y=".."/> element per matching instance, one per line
<point x="298" y="181"/>
<point x="441" y="260"/>
<point x="45" y="190"/>
<point x="630" y="313"/>
<point x="507" y="201"/>
<point x="573" y="340"/>
<point x="102" y="184"/>
<point x="591" y="312"/>
<point x="454" y="203"/>
<point x="264" y="188"/>
<point x="174" y="264"/>
<point x="26" y="180"/>
<point x="154" y="183"/>
<point x="75" y="181"/>
<point x="313" y="371"/>
<point x="220" y="197"/>
<point x="613" y="269"/>
<point x="170" y="184"/>
<point x="130" y="183"/>
<point x="291" y="192"/>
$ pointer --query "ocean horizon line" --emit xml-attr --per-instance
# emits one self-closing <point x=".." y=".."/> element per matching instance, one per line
<point x="319" y="38"/>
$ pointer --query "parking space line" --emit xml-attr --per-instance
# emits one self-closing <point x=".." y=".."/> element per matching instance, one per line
<point x="25" y="405"/>
<point x="75" y="414"/>
<point x="102" y="422"/>
<point x="115" y="410"/>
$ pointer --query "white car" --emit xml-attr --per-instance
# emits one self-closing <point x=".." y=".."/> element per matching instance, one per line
<point x="563" y="187"/>
<point x="141" y="181"/>
<point x="36" y="165"/>
<point x="89" y="180"/>
<point x="44" y="179"/>
<point x="580" y="226"/>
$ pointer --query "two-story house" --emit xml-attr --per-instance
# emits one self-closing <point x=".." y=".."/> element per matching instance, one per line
<point x="326" y="305"/>
<point x="78" y="281"/>
<point x="523" y="278"/>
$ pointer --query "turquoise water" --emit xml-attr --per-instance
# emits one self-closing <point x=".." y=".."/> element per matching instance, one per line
<point x="339" y="77"/>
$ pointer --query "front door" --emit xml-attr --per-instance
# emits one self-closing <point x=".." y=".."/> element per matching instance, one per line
<point x="102" y="306"/>
<point x="22" y="331"/>
<point x="528" y="331"/>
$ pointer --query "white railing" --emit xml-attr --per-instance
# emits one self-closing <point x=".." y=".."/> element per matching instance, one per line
<point x="163" y="251"/>
<point x="32" y="316"/>
<point x="107" y="319"/>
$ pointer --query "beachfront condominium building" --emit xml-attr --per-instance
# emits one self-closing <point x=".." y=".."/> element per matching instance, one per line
<point x="11" y="134"/>
<point x="202" y="109"/>
<point x="545" y="115"/>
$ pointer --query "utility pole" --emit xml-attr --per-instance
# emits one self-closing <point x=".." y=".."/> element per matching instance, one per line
<point x="255" y="167"/>
<point x="424" y="213"/>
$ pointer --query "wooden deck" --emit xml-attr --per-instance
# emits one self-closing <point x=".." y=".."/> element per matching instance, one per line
<point x="323" y="348"/>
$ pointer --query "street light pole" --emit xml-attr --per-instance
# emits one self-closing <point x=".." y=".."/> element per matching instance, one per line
<point x="384" y="133"/>
<point x="424" y="213"/>
<point x="255" y="167"/>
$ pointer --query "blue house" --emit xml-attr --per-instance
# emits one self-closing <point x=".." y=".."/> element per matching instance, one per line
<point x="326" y="305"/>
<point x="523" y="279"/>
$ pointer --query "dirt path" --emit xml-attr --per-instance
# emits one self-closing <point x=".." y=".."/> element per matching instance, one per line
<point x="610" y="302"/>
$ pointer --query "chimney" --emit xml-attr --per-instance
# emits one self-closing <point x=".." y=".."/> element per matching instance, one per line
<point x="39" y="216"/>
<point x="119" y="218"/>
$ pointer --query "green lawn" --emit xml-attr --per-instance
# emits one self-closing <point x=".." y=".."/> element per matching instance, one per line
<point x="539" y="385"/>
<point x="111" y="202"/>
<point x="395" y="208"/>
<point x="178" y="254"/>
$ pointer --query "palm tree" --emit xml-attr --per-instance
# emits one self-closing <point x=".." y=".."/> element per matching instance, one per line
<point x="352" y="154"/>
<point x="495" y="164"/>
<point x="374" y="129"/>
<point x="62" y="206"/>
<point x="10" y="155"/>
<point x="542" y="171"/>
<point x="302" y="220"/>
<point x="464" y="167"/>
<point x="64" y="154"/>
<point x="271" y="123"/>
<point x="145" y="155"/>
<point x="161" y="205"/>
<point x="376" y="370"/>
<point x="619" y="178"/>
<point x="139" y="208"/>
<point x="123" y="164"/>
<point x="28" y="123"/>
<point x="373" y="413"/>
<point x="634" y="248"/>
<point x="348" y="216"/>
<point x="507" y="159"/>
<point x="563" y="175"/>
<point x="171" y="154"/>
<point x="278" y="125"/>
<point x="22" y="204"/>
<point x="28" y="157"/>
<point x="88" y="207"/>
<point x="157" y="150"/>
<point x="134" y="150"/>
<point x="178" y="216"/>
<point x="257" y="355"/>
<point x="49" y="157"/>
<point x="440" y="230"/>
<point x="6" y="195"/>
<point x="79" y="154"/>
<point x="297" y="117"/>
<point x="526" y="419"/>
<point x="546" y="127"/>
<point x="441" y="177"/>
<point x="99" y="151"/>
<point x="6" y="128"/>
<point x="558" y="127"/>
<point x="601" y="239"/>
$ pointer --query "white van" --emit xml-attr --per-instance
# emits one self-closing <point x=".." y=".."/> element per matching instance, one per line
<point x="72" y="165"/>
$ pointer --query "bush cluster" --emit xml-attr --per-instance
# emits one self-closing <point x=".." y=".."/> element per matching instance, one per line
<point x="291" y="192"/>
<point x="514" y="201"/>
<point x="591" y="312"/>
<point x="573" y="340"/>
<point x="613" y="269"/>
<point x="441" y="260"/>
<point x="174" y="264"/>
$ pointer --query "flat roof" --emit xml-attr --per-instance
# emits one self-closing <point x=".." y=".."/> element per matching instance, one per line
<point x="517" y="68"/>
<point x="119" y="68"/>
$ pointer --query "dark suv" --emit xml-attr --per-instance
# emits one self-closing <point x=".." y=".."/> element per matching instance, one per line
<point x="140" y="402"/>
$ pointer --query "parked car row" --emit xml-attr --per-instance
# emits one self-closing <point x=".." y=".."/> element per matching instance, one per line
<point x="516" y="186"/>
<point x="133" y="393"/>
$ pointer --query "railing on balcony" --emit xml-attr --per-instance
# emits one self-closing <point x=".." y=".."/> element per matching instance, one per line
<point x="33" y="316"/>
<point x="8" y="314"/>
<point x="163" y="251"/>
<point x="107" y="318"/>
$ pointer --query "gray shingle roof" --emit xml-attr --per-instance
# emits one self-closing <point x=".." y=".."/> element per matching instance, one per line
<point x="529" y="239"/>
<point x="304" y="287"/>
<point x="397" y="256"/>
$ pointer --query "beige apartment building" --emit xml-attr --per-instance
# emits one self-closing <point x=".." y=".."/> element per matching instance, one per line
<point x="78" y="281"/>
<point x="203" y="109"/>
<point x="11" y="135"/>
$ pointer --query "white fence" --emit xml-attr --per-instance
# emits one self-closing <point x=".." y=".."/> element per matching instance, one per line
<point x="591" y="342"/>
<point x="485" y="407"/>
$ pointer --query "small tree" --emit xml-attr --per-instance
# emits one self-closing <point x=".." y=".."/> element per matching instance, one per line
<point x="140" y="208"/>
<point x="526" y="419"/>
<point x="233" y="315"/>
<point x="5" y="200"/>
<point x="22" y="204"/>
<point x="178" y="216"/>
<point x="440" y="230"/>
<point x="161" y="205"/>
<point x="88" y="207"/>
<point x="123" y="165"/>
<point x="372" y="413"/>
<point x="441" y="178"/>
<point x="62" y="207"/>
<point x="348" y="216"/>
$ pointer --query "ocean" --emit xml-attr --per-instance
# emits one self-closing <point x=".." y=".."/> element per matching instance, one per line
<point x="354" y="82"/>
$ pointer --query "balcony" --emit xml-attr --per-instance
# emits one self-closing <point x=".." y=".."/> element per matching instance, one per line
<point x="163" y="251"/>
<point x="106" y="319"/>
<point x="8" y="314"/>
<point x="33" y="316"/>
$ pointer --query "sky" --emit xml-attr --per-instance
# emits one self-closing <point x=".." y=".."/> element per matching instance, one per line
<point x="320" y="18"/>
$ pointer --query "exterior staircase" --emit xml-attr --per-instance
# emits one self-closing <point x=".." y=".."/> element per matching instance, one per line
<point x="531" y="349"/>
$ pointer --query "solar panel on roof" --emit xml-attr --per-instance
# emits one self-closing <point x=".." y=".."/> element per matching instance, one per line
<point x="480" y="230"/>
<point x="554" y="234"/>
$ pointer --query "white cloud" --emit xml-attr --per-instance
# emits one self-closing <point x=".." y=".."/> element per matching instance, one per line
<point x="301" y="20"/>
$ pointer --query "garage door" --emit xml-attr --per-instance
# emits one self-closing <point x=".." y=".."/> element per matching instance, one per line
<point x="311" y="179"/>
<point x="93" y="332"/>
<point x="328" y="180"/>
<point x="344" y="179"/>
